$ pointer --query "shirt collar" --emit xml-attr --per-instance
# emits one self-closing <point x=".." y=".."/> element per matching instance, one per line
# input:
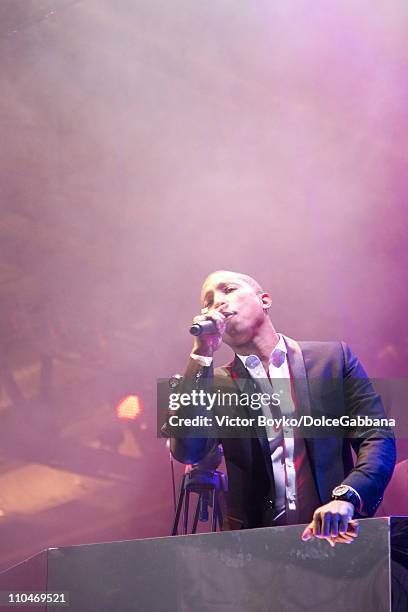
<point x="281" y="346"/>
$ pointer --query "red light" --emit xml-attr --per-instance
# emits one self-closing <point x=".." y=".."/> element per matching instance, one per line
<point x="129" y="408"/>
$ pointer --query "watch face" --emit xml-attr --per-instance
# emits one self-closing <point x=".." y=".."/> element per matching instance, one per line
<point x="340" y="490"/>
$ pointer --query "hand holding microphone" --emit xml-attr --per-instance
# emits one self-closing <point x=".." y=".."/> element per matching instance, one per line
<point x="208" y="328"/>
<point x="205" y="327"/>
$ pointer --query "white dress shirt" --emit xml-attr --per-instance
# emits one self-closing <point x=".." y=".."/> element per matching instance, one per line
<point x="281" y="443"/>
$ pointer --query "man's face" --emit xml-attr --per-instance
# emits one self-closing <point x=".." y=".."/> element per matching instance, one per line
<point x="238" y="301"/>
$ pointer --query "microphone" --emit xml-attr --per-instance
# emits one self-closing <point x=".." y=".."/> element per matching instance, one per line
<point x="206" y="327"/>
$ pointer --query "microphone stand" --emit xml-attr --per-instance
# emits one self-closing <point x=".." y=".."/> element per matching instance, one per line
<point x="210" y="485"/>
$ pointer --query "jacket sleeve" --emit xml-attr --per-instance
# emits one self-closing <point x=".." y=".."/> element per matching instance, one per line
<point x="374" y="446"/>
<point x="189" y="449"/>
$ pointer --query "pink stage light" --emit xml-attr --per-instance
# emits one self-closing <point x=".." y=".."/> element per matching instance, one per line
<point x="129" y="408"/>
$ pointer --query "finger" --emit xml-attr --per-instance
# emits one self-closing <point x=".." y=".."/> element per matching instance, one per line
<point x="335" y="524"/>
<point x="209" y="309"/>
<point x="207" y="315"/>
<point x="344" y="539"/>
<point x="201" y="318"/>
<point x="215" y="311"/>
<point x="216" y="317"/>
<point x="219" y="319"/>
<point x="327" y="518"/>
<point x="343" y="524"/>
<point x="221" y="324"/>
<point x="198" y="319"/>
<point x="307" y="533"/>
<point x="216" y="314"/>
<point x="355" y="527"/>
<point x="353" y="532"/>
<point x="316" y="524"/>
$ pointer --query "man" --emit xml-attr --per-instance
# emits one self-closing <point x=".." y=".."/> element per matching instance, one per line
<point x="278" y="478"/>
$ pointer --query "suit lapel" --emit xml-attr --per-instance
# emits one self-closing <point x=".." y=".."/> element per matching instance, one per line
<point x="303" y="407"/>
<point x="299" y="376"/>
<point x="319" y="449"/>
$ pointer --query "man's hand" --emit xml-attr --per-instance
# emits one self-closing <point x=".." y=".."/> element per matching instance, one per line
<point x="333" y="522"/>
<point x="207" y="344"/>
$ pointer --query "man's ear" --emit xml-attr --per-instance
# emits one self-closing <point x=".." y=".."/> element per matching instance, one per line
<point x="265" y="300"/>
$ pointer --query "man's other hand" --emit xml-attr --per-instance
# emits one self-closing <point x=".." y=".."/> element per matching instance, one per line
<point x="333" y="522"/>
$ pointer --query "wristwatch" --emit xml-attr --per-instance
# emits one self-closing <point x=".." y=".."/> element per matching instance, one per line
<point x="346" y="493"/>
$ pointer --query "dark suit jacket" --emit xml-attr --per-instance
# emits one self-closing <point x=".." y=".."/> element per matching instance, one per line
<point x="328" y="380"/>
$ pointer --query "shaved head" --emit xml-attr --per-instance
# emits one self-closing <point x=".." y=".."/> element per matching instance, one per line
<point x="235" y="275"/>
